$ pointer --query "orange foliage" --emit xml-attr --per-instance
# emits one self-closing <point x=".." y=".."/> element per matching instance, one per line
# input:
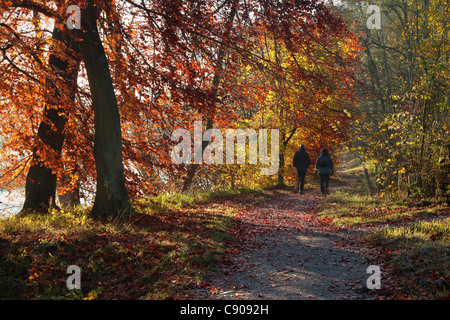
<point x="163" y="57"/>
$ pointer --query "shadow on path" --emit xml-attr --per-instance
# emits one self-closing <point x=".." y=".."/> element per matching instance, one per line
<point x="283" y="250"/>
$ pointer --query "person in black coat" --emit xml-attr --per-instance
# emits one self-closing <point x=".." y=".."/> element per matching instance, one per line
<point x="324" y="165"/>
<point x="301" y="162"/>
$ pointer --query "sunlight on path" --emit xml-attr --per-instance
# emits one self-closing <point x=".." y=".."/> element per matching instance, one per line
<point x="285" y="251"/>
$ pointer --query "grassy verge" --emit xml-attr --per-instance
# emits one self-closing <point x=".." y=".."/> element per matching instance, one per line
<point x="414" y="239"/>
<point x="174" y="201"/>
<point x="174" y="242"/>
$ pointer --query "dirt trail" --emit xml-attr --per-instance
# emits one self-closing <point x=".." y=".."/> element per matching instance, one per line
<point x="285" y="251"/>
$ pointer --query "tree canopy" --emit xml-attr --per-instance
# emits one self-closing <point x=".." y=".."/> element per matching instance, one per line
<point x="89" y="111"/>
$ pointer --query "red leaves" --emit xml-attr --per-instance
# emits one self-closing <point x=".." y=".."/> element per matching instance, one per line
<point x="283" y="250"/>
<point x="182" y="56"/>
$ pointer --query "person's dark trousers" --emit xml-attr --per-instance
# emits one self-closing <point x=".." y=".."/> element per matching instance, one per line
<point x="300" y="179"/>
<point x="324" y="182"/>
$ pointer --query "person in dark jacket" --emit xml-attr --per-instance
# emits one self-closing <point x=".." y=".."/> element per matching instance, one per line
<point x="301" y="162"/>
<point x="324" y="165"/>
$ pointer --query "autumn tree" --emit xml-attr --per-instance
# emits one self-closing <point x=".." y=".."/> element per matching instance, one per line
<point x="404" y="97"/>
<point x="302" y="30"/>
<point x="111" y="194"/>
<point x="316" y="106"/>
<point x="40" y="188"/>
<point x="147" y="68"/>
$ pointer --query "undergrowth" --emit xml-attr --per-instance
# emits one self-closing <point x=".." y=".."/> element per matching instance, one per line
<point x="414" y="238"/>
<point x="174" y="242"/>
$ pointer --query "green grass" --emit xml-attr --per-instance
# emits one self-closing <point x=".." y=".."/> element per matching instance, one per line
<point x="176" y="200"/>
<point x="422" y="256"/>
<point x="174" y="242"/>
<point x="416" y="238"/>
<point x="419" y="232"/>
<point x="350" y="206"/>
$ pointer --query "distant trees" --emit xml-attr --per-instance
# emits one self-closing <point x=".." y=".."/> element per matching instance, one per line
<point x="404" y="91"/>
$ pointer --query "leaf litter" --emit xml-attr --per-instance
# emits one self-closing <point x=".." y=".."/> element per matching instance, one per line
<point x="284" y="250"/>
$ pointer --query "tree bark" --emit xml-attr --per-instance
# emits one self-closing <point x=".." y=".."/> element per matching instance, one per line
<point x="40" y="186"/>
<point x="111" y="198"/>
<point x="367" y="180"/>
<point x="280" y="172"/>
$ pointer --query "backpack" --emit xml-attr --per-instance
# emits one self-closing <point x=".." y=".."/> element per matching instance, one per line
<point x="322" y="163"/>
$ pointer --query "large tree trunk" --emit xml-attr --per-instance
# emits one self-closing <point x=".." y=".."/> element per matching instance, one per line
<point x="111" y="198"/>
<point x="40" y="186"/>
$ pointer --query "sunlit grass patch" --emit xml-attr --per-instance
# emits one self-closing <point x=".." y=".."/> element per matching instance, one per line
<point x="437" y="230"/>
<point x="175" y="200"/>
<point x="422" y="256"/>
<point x="349" y="206"/>
<point x="414" y="238"/>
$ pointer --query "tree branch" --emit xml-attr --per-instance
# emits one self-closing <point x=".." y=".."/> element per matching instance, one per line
<point x="38" y="7"/>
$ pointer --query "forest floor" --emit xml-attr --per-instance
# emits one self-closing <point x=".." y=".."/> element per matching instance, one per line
<point x="235" y="244"/>
<point x="284" y="250"/>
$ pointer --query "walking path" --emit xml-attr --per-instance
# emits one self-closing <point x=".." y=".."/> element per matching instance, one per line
<point x="285" y="251"/>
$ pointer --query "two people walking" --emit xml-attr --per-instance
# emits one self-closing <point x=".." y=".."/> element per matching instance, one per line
<point x="324" y="167"/>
